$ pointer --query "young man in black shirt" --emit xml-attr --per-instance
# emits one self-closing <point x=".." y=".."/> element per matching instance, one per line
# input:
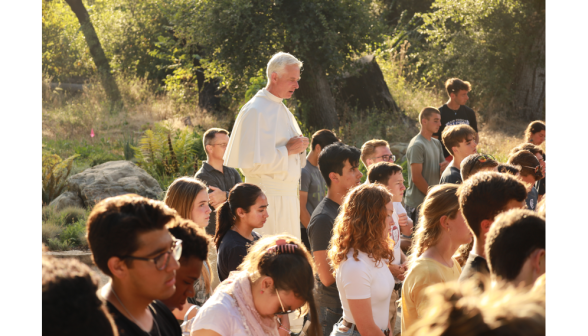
<point x="460" y="141"/>
<point x="454" y="112"/>
<point x="130" y="243"/>
<point x="481" y="198"/>
<point x="339" y="165"/>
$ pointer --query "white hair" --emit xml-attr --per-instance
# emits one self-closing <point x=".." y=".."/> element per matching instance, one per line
<point x="278" y="63"/>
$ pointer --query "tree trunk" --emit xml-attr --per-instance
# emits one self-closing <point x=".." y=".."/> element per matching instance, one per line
<point x="529" y="101"/>
<point x="97" y="53"/>
<point x="316" y="97"/>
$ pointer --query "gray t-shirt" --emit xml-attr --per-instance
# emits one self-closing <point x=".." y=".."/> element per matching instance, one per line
<point x="320" y="231"/>
<point x="531" y="200"/>
<point x="430" y="154"/>
<point x="450" y="175"/>
<point x="312" y="182"/>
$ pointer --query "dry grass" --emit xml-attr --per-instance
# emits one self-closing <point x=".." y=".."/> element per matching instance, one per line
<point x="499" y="136"/>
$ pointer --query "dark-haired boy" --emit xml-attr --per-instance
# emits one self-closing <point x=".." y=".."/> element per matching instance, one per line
<point x="131" y="244"/>
<point x="454" y="112"/>
<point x="195" y="244"/>
<point x="516" y="247"/>
<point x="339" y="165"/>
<point x="530" y="173"/>
<point x="70" y="305"/>
<point x="481" y="198"/>
<point x="460" y="141"/>
<point x="312" y="184"/>
<point x="219" y="178"/>
<point x="425" y="161"/>
<point x="540" y="155"/>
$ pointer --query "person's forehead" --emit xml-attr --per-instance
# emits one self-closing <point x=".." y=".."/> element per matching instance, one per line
<point x="153" y="242"/>
<point x="190" y="268"/>
<point x="221" y="136"/>
<point x="382" y="150"/>
<point x="397" y="177"/>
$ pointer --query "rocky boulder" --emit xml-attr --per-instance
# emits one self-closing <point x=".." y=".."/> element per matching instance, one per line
<point x="111" y="179"/>
<point x="67" y="199"/>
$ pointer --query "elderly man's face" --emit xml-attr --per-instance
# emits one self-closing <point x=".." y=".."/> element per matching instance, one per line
<point x="284" y="85"/>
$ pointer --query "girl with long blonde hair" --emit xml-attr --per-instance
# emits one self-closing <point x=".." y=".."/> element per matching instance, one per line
<point x="441" y="231"/>
<point x="360" y="253"/>
<point x="189" y="197"/>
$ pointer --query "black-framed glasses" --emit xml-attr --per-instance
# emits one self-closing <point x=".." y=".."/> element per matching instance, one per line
<point x="481" y="158"/>
<point x="223" y="145"/>
<point x="162" y="260"/>
<point x="387" y="157"/>
<point x="284" y="311"/>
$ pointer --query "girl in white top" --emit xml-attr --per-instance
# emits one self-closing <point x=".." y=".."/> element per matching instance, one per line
<point x="361" y="251"/>
<point x="275" y="278"/>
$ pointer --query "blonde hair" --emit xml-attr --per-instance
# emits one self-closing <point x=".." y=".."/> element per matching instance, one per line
<point x="180" y="196"/>
<point x="278" y="63"/>
<point x="369" y="148"/>
<point x="440" y="201"/>
<point x="360" y="225"/>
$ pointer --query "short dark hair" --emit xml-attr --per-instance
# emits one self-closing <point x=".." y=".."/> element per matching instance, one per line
<point x="534" y="127"/>
<point x="454" y="134"/>
<point x="486" y="194"/>
<point x="209" y="135"/>
<point x="512" y="238"/>
<point x="194" y="239"/>
<point x="527" y="146"/>
<point x="472" y="164"/>
<point x="526" y="159"/>
<point x="454" y="85"/>
<point x="507" y="168"/>
<point x="380" y="172"/>
<point x="70" y="303"/>
<point x="116" y="222"/>
<point x="332" y="159"/>
<point x="427" y="112"/>
<point x="323" y="138"/>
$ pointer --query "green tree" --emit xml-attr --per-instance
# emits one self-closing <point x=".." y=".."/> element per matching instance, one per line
<point x="240" y="36"/>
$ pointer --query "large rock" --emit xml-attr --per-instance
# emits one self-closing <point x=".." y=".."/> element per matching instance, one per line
<point x="112" y="179"/>
<point x="67" y="199"/>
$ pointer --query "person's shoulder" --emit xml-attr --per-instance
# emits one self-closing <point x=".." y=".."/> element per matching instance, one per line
<point x="165" y="314"/>
<point x="416" y="142"/>
<point x="467" y="109"/>
<point x="256" y="236"/>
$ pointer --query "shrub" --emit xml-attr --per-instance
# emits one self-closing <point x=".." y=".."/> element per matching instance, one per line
<point x="70" y="215"/>
<point x="54" y="244"/>
<point x="50" y="231"/>
<point x="75" y="235"/>
<point x="55" y="173"/>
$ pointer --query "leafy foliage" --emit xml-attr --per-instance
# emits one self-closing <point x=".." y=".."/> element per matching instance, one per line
<point x="64" y="229"/>
<point x="55" y="174"/>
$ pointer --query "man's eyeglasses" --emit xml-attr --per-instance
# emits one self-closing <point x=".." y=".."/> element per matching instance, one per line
<point x="162" y="260"/>
<point x="481" y="158"/>
<point x="223" y="145"/>
<point x="283" y="312"/>
<point x="387" y="158"/>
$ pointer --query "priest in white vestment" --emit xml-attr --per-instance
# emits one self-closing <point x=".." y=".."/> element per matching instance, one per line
<point x="267" y="145"/>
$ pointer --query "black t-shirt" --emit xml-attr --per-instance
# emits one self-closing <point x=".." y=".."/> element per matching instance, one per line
<point x="450" y="175"/>
<point x="449" y="117"/>
<point x="474" y="264"/>
<point x="320" y="231"/>
<point x="164" y="320"/>
<point x="231" y="252"/>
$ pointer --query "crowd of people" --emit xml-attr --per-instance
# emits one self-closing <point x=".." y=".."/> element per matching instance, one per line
<point x="461" y="251"/>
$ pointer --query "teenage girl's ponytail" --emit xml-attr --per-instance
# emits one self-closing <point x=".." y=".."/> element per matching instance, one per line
<point x="243" y="195"/>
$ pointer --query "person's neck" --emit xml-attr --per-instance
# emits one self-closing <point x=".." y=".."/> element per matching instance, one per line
<point x="215" y="163"/>
<point x="258" y="299"/>
<point x="244" y="230"/>
<point x="443" y="250"/>
<point x="530" y="180"/>
<point x="312" y="158"/>
<point x="135" y="303"/>
<point x="426" y="133"/>
<point x="457" y="159"/>
<point x="478" y="247"/>
<point x="271" y="89"/>
<point x="397" y="198"/>
<point x="453" y="105"/>
<point x="336" y="194"/>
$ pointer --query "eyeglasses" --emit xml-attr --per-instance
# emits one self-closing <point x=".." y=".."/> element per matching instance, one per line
<point x="387" y="157"/>
<point x="284" y="311"/>
<point x="223" y="145"/>
<point x="481" y="158"/>
<point x="535" y="169"/>
<point x="162" y="260"/>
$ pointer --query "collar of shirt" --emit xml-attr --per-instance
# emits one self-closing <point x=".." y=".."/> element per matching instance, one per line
<point x="209" y="168"/>
<point x="271" y="96"/>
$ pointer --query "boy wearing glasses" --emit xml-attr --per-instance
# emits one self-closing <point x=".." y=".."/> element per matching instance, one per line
<point x="530" y="173"/>
<point x="131" y="244"/>
<point x="481" y="198"/>
<point x="460" y="141"/>
<point x="219" y="178"/>
<point x="375" y="151"/>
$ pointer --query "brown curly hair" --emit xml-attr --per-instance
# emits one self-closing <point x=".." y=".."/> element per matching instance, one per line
<point x="360" y="225"/>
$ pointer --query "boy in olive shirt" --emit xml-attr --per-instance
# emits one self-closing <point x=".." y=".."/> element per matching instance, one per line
<point x="460" y="141"/>
<point x="425" y="161"/>
<point x="312" y="184"/>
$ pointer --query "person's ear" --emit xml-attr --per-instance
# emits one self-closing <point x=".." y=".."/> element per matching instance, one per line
<point x="267" y="283"/>
<point x="485" y="225"/>
<point x="117" y="267"/>
<point x="317" y="148"/>
<point x="274" y="77"/>
<point x="207" y="150"/>
<point x="240" y="212"/>
<point x="538" y="261"/>
<point x="444" y="223"/>
<point x="334" y="177"/>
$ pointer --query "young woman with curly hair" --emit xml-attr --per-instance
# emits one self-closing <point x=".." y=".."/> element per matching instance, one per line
<point x="361" y="252"/>
<point x="441" y="231"/>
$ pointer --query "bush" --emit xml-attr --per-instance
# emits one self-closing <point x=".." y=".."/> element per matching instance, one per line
<point x="75" y="235"/>
<point x="50" y="231"/>
<point x="55" y="172"/>
<point x="70" y="215"/>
